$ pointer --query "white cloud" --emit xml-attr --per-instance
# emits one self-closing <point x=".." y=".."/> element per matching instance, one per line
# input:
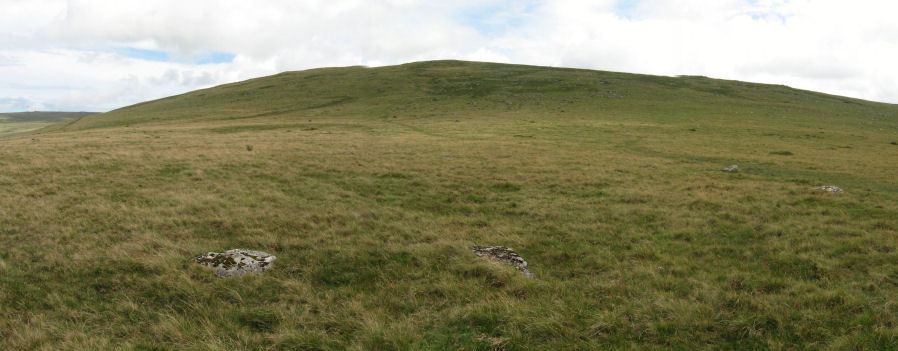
<point x="67" y="54"/>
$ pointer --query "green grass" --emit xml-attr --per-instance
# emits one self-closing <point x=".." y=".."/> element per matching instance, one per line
<point x="42" y="116"/>
<point x="10" y="128"/>
<point x="370" y="185"/>
<point x="21" y="122"/>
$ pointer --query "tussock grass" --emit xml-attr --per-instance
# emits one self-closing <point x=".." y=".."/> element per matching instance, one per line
<point x="636" y="237"/>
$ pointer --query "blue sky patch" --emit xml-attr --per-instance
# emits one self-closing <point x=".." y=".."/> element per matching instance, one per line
<point x="211" y="57"/>
<point x="214" y="58"/>
<point x="626" y="8"/>
<point x="145" y="54"/>
<point x="498" y="17"/>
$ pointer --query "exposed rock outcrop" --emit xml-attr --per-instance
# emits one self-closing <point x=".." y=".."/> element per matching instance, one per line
<point x="829" y="188"/>
<point x="236" y="262"/>
<point x="731" y="169"/>
<point x="503" y="255"/>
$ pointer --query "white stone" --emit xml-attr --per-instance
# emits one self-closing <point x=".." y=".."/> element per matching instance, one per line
<point x="829" y="188"/>
<point x="237" y="262"/>
<point x="503" y="255"/>
<point x="731" y="169"/>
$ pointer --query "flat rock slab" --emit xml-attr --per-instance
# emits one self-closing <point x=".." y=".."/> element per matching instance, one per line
<point x="236" y="262"/>
<point x="503" y="255"/>
<point x="829" y="188"/>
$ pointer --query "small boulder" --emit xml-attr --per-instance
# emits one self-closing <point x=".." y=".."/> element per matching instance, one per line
<point x="731" y="169"/>
<point x="829" y="188"/>
<point x="503" y="255"/>
<point x="236" y="262"/>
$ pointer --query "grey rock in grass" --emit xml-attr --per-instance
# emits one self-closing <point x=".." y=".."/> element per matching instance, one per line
<point x="829" y="188"/>
<point x="236" y="262"/>
<point x="731" y="169"/>
<point x="503" y="255"/>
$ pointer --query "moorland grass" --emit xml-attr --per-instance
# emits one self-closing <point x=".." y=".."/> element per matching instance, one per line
<point x="370" y="185"/>
<point x="21" y="122"/>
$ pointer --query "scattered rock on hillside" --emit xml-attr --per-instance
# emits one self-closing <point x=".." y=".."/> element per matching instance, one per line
<point x="731" y="169"/>
<point x="503" y="255"/>
<point x="829" y="188"/>
<point x="236" y="262"/>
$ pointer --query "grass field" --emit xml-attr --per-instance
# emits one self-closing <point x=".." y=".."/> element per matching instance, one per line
<point x="20" y="122"/>
<point x="9" y="128"/>
<point x="371" y="185"/>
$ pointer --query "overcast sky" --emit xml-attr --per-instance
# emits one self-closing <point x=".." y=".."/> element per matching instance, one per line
<point x="97" y="55"/>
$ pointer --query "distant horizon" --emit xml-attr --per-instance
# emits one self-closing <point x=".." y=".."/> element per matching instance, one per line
<point x="412" y="62"/>
<point x="92" y="55"/>
<point x="42" y="111"/>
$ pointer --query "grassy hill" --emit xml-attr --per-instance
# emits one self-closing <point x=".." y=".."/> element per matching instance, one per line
<point x="19" y="122"/>
<point x="371" y="185"/>
<point x="444" y="88"/>
<point x="42" y="116"/>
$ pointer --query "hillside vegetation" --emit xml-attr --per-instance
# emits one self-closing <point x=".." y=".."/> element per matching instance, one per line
<point x="18" y="122"/>
<point x="371" y="185"/>
<point x="42" y="116"/>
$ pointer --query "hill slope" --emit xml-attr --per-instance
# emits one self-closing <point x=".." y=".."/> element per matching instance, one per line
<point x="20" y="122"/>
<point x="42" y="116"/>
<point x="371" y="186"/>
<point x="445" y="88"/>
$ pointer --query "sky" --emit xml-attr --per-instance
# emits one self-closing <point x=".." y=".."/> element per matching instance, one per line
<point x="93" y="55"/>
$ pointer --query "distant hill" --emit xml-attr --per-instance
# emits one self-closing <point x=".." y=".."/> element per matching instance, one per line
<point x="443" y="88"/>
<point x="41" y="116"/>
<point x="23" y="122"/>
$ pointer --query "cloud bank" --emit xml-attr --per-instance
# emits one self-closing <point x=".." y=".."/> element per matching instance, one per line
<point x="100" y="55"/>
